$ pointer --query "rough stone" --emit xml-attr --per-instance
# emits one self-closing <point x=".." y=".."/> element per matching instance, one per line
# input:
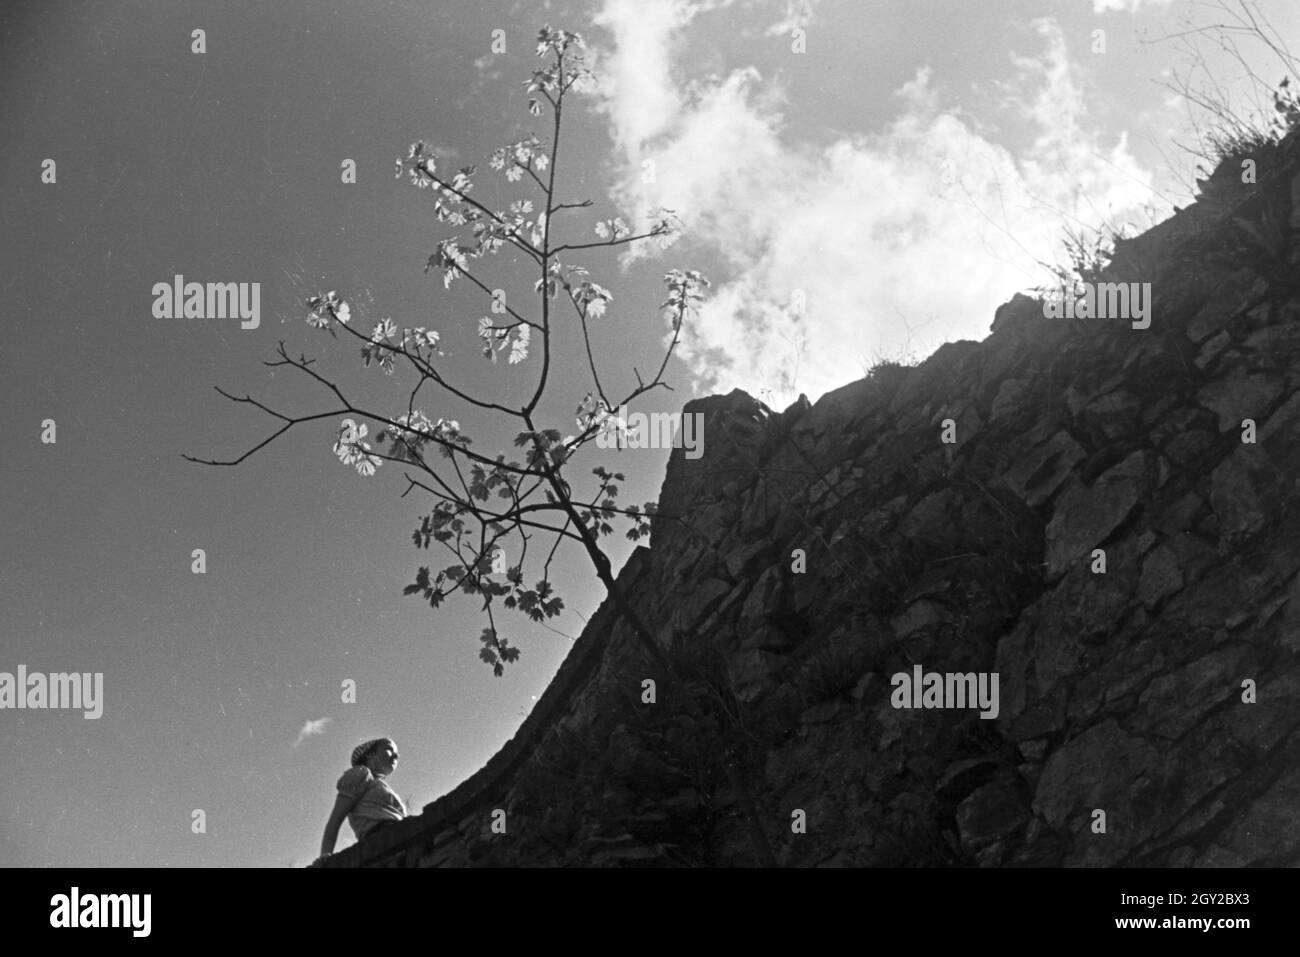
<point x="991" y="813"/>
<point x="1235" y="494"/>
<point x="1239" y="397"/>
<point x="1240" y="288"/>
<point x="1084" y="516"/>
<point x="1037" y="477"/>
<point x="1161" y="576"/>
<point x="1119" y="690"/>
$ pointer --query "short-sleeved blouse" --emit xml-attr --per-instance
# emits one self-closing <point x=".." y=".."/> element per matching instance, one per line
<point x="374" y="800"/>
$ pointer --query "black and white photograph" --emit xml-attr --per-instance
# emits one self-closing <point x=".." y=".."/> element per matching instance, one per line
<point x="650" y="434"/>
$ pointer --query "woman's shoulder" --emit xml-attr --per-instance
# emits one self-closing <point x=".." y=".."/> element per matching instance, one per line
<point x="355" y="779"/>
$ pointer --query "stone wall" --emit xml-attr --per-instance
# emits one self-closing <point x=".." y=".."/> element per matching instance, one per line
<point x="811" y="555"/>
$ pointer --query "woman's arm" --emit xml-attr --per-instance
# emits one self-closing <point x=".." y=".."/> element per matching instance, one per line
<point x="342" y="804"/>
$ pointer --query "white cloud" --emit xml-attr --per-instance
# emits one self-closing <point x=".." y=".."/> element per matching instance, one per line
<point x="641" y="93"/>
<point x="311" y="729"/>
<point x="865" y="226"/>
<point x="1129" y="6"/>
<point x="798" y="13"/>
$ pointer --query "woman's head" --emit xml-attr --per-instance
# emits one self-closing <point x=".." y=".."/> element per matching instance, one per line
<point x="379" y="755"/>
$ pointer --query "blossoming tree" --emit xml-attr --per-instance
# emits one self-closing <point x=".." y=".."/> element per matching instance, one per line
<point x="484" y="503"/>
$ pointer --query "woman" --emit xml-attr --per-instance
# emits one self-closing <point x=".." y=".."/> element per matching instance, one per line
<point x="364" y="797"/>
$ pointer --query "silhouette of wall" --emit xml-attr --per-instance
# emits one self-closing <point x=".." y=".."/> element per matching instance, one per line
<point x="1126" y="691"/>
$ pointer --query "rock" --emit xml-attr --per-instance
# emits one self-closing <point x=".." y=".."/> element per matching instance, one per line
<point x="1160" y="576"/>
<point x="1278" y="346"/>
<point x="1033" y="750"/>
<point x="1010" y="399"/>
<point x="1089" y="771"/>
<point x="741" y="561"/>
<point x="962" y="777"/>
<point x="1173" y="703"/>
<point x="698" y="602"/>
<point x="1267" y="832"/>
<point x="863" y="688"/>
<point x="1278" y="433"/>
<point x="919" y="615"/>
<point x="754" y="613"/>
<point x="768" y="638"/>
<point x="1115" y="413"/>
<point x="1236" y="493"/>
<point x="1188" y="447"/>
<point x="1240" y="396"/>
<point x="821" y="713"/>
<point x="1017" y="314"/>
<point x="1239" y="289"/>
<point x="1037" y="476"/>
<point x="1260" y="726"/>
<point x="1085" y="391"/>
<point x="1120" y="689"/>
<point x="1212" y="348"/>
<point x="991" y="813"/>
<point x="845" y="404"/>
<point x="1084" y="516"/>
<point x="750" y="672"/>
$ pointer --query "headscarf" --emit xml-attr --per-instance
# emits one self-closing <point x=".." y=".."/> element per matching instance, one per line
<point x="362" y="751"/>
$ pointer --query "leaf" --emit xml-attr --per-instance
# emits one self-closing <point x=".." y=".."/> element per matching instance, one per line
<point x="519" y="347"/>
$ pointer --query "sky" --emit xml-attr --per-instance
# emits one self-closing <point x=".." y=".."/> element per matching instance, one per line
<point x="859" y="180"/>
